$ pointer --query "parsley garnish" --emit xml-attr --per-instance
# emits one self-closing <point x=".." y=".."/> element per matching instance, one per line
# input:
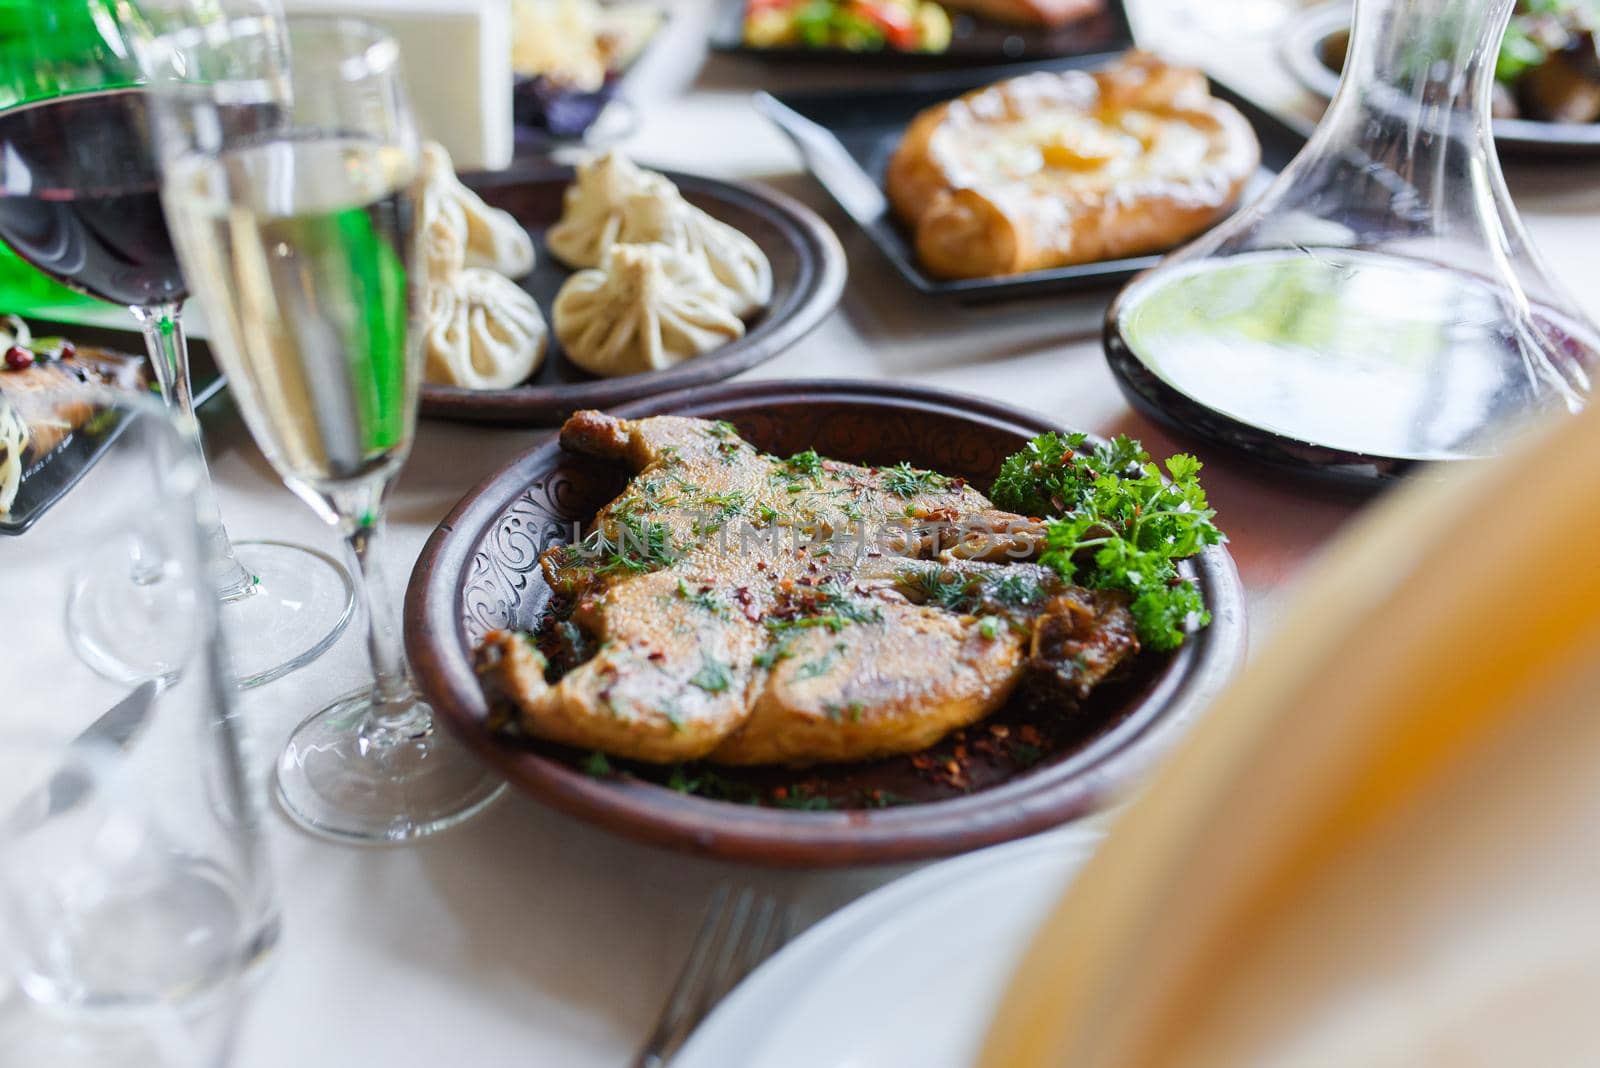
<point x="1121" y="526"/>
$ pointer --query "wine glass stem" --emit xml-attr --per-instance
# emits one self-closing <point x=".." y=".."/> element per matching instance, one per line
<point x="396" y="714"/>
<point x="169" y="355"/>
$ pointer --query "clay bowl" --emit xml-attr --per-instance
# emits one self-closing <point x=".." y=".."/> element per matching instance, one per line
<point x="480" y="571"/>
<point x="808" y="273"/>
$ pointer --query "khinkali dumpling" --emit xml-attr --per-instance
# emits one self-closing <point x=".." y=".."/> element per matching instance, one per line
<point x="735" y="261"/>
<point x="482" y="331"/>
<point x="592" y="207"/>
<point x="646" y="308"/>
<point x="490" y="237"/>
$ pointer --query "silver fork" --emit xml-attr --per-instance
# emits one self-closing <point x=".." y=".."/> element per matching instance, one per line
<point x="740" y="930"/>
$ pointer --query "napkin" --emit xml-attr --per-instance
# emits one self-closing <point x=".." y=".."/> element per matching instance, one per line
<point x="1381" y="846"/>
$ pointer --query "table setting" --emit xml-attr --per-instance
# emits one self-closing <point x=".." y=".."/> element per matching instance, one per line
<point x="850" y="533"/>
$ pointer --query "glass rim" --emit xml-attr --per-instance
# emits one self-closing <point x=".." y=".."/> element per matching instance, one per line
<point x="378" y="53"/>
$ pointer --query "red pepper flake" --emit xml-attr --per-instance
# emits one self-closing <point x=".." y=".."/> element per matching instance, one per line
<point x="657" y="655"/>
<point x="780" y="792"/>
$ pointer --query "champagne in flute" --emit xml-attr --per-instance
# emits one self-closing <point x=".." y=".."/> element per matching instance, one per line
<point x="299" y="242"/>
<point x="305" y="245"/>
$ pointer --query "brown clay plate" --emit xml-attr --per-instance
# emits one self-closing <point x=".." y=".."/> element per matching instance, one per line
<point x="808" y="273"/>
<point x="480" y="571"/>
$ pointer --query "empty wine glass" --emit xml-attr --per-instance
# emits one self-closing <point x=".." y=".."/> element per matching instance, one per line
<point x="134" y="889"/>
<point x="80" y="200"/>
<point x="300" y="244"/>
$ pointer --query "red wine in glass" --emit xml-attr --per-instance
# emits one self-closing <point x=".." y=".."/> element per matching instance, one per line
<point x="81" y="199"/>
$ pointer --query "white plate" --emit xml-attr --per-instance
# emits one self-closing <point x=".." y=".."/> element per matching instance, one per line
<point x="906" y="977"/>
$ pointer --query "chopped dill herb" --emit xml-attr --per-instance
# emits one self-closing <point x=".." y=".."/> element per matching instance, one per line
<point x="940" y="586"/>
<point x="597" y="765"/>
<point x="713" y="676"/>
<point x="639" y="547"/>
<point x="774" y="653"/>
<point x="906" y="481"/>
<point x="706" y="599"/>
<point x="813" y="668"/>
<point x="807" y="464"/>
<point x="1014" y="589"/>
<point x="850" y="710"/>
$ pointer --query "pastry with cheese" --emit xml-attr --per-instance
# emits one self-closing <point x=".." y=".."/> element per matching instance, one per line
<point x="1063" y="167"/>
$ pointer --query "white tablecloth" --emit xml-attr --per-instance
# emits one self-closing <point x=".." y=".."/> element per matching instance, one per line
<point x="528" y="939"/>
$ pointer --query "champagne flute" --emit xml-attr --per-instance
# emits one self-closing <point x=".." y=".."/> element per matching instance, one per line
<point x="299" y="242"/>
<point x="79" y="200"/>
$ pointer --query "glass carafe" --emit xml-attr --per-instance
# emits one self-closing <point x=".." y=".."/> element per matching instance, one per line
<point x="1380" y="303"/>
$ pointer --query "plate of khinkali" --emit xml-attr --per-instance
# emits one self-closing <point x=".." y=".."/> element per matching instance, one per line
<point x="640" y="282"/>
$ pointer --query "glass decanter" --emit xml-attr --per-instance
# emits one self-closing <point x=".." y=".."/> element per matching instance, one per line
<point x="1380" y="303"/>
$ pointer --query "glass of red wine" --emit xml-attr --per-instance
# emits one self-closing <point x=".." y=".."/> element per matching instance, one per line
<point x="80" y="200"/>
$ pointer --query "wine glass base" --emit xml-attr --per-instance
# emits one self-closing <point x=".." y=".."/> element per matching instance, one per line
<point x="130" y="626"/>
<point x="301" y="602"/>
<point x="336" y="783"/>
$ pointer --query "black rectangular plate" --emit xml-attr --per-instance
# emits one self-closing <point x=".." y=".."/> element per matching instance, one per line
<point x="973" y="41"/>
<point x="848" y="137"/>
<point x="50" y="478"/>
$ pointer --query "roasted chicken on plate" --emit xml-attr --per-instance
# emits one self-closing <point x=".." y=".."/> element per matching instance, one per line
<point x="749" y="609"/>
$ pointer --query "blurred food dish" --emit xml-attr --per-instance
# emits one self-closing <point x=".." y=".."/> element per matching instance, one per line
<point x="38" y="409"/>
<point x="1546" y="97"/>
<point x="49" y="439"/>
<point x="567" y="57"/>
<point x="1548" y="70"/>
<point x="1030" y="12"/>
<point x="851" y="25"/>
<point x="910" y="32"/>
<point x="1057" y="168"/>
